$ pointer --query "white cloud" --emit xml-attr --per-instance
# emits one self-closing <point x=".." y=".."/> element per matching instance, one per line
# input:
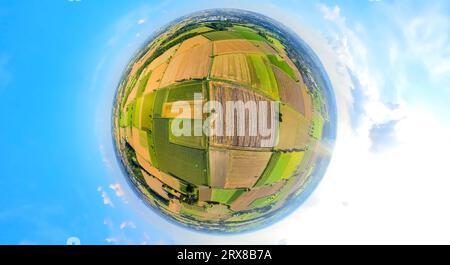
<point x="418" y="45"/>
<point x="105" y="159"/>
<point x="106" y="198"/>
<point x="117" y="189"/>
<point x="112" y="240"/>
<point x="331" y="14"/>
<point x="108" y="222"/>
<point x="395" y="197"/>
<point x="427" y="38"/>
<point x="345" y="58"/>
<point x="141" y="21"/>
<point x="127" y="224"/>
<point x="350" y="50"/>
<point x="355" y="73"/>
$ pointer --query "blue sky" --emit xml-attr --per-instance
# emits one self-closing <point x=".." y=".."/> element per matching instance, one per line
<point x="60" y="61"/>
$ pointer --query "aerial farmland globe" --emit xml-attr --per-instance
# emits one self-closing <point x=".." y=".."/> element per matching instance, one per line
<point x="224" y="121"/>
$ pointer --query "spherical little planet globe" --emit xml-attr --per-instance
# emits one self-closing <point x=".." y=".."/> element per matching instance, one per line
<point x="224" y="121"/>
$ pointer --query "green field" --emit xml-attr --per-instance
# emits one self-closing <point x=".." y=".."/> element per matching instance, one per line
<point x="264" y="201"/>
<point x="196" y="30"/>
<point x="136" y="114"/>
<point x="185" y="91"/>
<point x="276" y="43"/>
<point x="317" y="101"/>
<point x="262" y="75"/>
<point x="192" y="210"/>
<point x="126" y="115"/>
<point x="186" y="163"/>
<point x="241" y="28"/>
<point x="317" y="118"/>
<point x="286" y="190"/>
<point x="198" y="142"/>
<point x="281" y="166"/>
<point x="244" y="216"/>
<point x="282" y="64"/>
<point x="247" y="33"/>
<point x="234" y="34"/>
<point x="317" y="126"/>
<point x="129" y="86"/>
<point x="161" y="98"/>
<point x="142" y="84"/>
<point x="190" y="33"/>
<point x="225" y="196"/>
<point x="147" y="111"/>
<point x="220" y="35"/>
<point x="151" y="149"/>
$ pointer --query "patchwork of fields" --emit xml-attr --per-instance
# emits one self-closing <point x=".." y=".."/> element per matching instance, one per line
<point x="228" y="178"/>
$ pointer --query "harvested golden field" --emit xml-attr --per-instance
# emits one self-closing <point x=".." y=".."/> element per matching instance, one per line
<point x="141" y="61"/>
<point x="236" y="168"/>
<point x="144" y="163"/>
<point x="174" y="206"/>
<point x="128" y="134"/>
<point x="231" y="67"/>
<point x="121" y="133"/>
<point x="218" y="172"/>
<point x="251" y="137"/>
<point x="248" y="69"/>
<point x="132" y="95"/>
<point x="191" y="64"/>
<point x="134" y="90"/>
<point x="163" y="177"/>
<point x="155" y="185"/>
<point x="155" y="78"/>
<point x="191" y="43"/>
<point x="241" y="46"/>
<point x="245" y="167"/>
<point x="218" y="212"/>
<point x="163" y="57"/>
<point x="293" y="133"/>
